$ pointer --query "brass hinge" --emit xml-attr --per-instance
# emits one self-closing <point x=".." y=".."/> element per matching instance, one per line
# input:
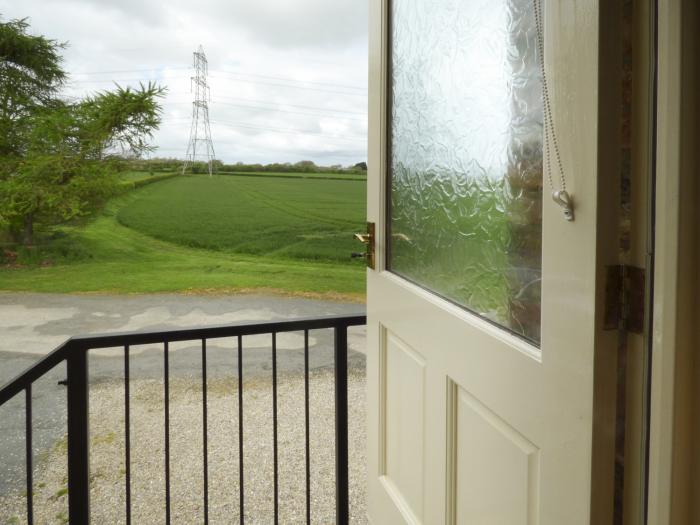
<point x="625" y="298"/>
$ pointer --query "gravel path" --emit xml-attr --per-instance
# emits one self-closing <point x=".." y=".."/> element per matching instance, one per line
<point x="32" y="324"/>
<point x="107" y="453"/>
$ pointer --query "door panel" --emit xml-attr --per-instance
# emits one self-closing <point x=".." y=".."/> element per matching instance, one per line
<point x="469" y="420"/>
<point x="404" y="422"/>
<point x="497" y="469"/>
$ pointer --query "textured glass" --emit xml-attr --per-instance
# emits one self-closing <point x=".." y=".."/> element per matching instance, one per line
<point x="466" y="155"/>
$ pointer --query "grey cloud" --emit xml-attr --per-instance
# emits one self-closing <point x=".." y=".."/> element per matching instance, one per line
<point x="301" y="23"/>
<point x="303" y="40"/>
<point x="277" y="23"/>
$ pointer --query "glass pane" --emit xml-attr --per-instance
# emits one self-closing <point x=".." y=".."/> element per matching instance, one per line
<point x="466" y="155"/>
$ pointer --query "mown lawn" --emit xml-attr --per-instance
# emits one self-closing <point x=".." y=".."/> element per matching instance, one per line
<point x="199" y="234"/>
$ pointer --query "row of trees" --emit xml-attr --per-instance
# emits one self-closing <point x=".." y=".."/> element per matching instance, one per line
<point x="304" y="166"/>
<point x="59" y="157"/>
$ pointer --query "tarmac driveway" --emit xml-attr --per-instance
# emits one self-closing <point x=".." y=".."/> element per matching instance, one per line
<point x="31" y="325"/>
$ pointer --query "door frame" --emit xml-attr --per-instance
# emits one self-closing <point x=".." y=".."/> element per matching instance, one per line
<point x="675" y="379"/>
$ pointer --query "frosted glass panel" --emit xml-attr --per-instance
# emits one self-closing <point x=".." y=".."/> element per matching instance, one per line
<point x="466" y="155"/>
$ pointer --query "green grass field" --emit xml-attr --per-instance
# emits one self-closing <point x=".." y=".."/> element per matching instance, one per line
<point x="275" y="217"/>
<point x="199" y="234"/>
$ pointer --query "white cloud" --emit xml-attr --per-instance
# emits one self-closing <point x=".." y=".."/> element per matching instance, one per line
<point x="288" y="77"/>
<point x="302" y="23"/>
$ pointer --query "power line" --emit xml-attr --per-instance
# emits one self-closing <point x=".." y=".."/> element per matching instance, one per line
<point x="202" y="100"/>
<point x="258" y="101"/>
<point x="337" y="154"/>
<point x="227" y="72"/>
<point x="117" y="80"/>
<point x="216" y="100"/>
<point x="286" y="131"/>
<point x="256" y="82"/>
<point x="273" y="110"/>
<point x="289" y="79"/>
<point x="291" y="131"/>
<point x="128" y="71"/>
<point x="276" y="84"/>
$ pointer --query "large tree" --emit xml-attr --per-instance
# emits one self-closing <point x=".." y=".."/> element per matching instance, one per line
<point x="58" y="158"/>
<point x="30" y="78"/>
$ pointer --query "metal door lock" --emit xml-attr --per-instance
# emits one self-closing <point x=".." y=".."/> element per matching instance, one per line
<point x="368" y="239"/>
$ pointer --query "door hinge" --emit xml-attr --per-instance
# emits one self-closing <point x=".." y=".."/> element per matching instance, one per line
<point x="625" y="298"/>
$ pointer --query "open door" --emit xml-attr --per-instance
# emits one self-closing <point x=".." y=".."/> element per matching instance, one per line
<point x="482" y="304"/>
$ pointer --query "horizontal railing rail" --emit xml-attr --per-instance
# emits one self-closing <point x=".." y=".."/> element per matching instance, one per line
<point x="74" y="352"/>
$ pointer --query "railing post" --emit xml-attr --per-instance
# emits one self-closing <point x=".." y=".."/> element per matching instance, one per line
<point x="342" y="503"/>
<point x="78" y="438"/>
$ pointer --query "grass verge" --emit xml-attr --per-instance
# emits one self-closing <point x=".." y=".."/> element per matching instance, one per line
<point x="106" y="257"/>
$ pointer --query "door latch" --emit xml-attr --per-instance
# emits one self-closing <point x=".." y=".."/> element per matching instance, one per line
<point x="368" y="239"/>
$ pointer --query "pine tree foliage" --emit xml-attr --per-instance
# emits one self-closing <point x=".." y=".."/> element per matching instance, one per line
<point x="59" y="158"/>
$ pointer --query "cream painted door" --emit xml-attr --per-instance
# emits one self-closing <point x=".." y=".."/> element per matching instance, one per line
<point x="481" y="309"/>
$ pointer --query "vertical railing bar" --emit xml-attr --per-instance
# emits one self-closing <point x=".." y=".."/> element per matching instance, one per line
<point x="29" y="454"/>
<point x="205" y="445"/>
<point x="241" y="490"/>
<point x="127" y="434"/>
<point x="306" y="425"/>
<point x="78" y="437"/>
<point x="78" y="428"/>
<point x="274" y="424"/>
<point x="342" y="503"/>
<point x="166" y="398"/>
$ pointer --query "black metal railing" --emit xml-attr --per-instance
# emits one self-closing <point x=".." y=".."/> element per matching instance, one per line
<point x="74" y="353"/>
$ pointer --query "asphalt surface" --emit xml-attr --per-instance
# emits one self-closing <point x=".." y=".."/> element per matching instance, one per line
<point x="31" y="325"/>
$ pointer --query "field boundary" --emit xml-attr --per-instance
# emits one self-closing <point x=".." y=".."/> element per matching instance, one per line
<point x="292" y="175"/>
<point x="139" y="183"/>
<point x="281" y="248"/>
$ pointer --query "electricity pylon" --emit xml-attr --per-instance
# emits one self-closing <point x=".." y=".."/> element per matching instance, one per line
<point x="200" y="132"/>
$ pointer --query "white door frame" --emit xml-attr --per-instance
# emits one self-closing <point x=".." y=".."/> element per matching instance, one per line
<point x="673" y="466"/>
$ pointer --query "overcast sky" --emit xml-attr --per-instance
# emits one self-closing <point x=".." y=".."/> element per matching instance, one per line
<point x="288" y="77"/>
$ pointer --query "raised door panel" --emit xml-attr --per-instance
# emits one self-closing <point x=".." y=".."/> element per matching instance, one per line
<point x="404" y="426"/>
<point x="496" y="473"/>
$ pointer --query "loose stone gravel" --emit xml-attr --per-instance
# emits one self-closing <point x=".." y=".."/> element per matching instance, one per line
<point x="107" y="464"/>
